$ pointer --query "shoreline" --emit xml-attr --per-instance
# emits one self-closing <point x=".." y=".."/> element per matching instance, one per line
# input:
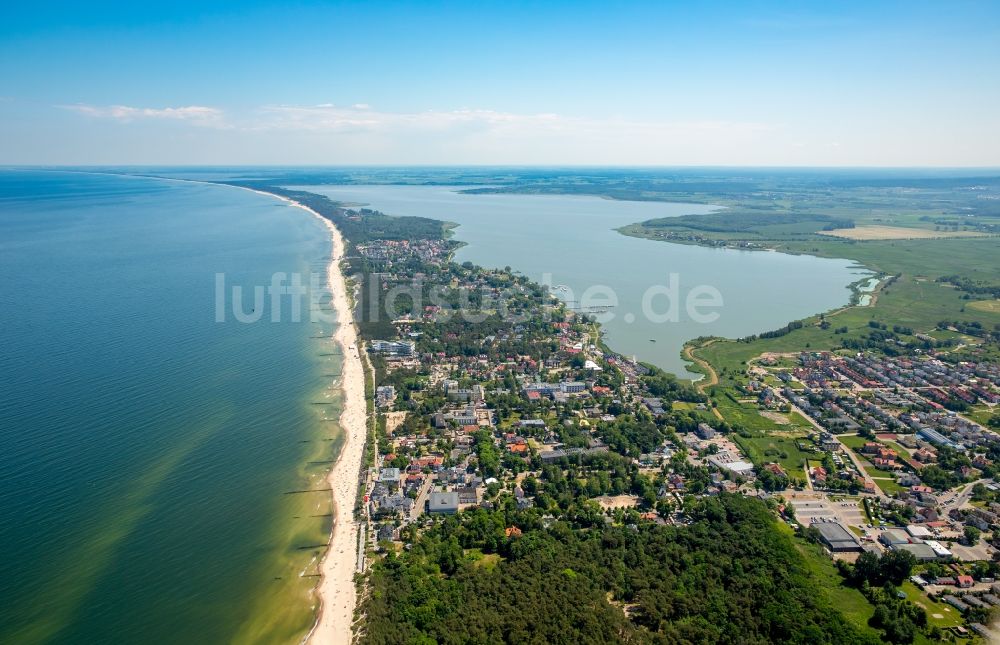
<point x="337" y="590"/>
<point x="852" y="287"/>
<point x="333" y="620"/>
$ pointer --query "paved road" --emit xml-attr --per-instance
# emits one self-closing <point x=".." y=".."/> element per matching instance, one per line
<point x="418" y="506"/>
<point x="361" y="548"/>
<point x="850" y="453"/>
<point x="958" y="499"/>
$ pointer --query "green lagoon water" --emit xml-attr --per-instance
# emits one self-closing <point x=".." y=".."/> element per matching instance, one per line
<point x="147" y="450"/>
<point x="570" y="241"/>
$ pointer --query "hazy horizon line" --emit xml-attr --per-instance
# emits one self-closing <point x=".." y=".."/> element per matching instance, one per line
<point x="504" y="166"/>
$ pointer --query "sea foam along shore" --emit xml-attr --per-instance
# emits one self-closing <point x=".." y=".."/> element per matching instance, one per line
<point x="337" y="590"/>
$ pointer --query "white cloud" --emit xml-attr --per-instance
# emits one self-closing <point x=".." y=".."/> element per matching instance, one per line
<point x="331" y="118"/>
<point x="349" y="134"/>
<point x="197" y="114"/>
<point x="360" y="133"/>
<point x="465" y="122"/>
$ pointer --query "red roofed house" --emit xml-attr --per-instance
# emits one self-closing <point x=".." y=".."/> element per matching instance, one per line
<point x="776" y="469"/>
<point x="871" y="447"/>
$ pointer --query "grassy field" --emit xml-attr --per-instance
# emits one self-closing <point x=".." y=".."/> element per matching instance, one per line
<point x="852" y="441"/>
<point x="770" y="441"/>
<point x="747" y="415"/>
<point x="988" y="306"/>
<point x="888" y="485"/>
<point x="849" y="601"/>
<point x="913" y="300"/>
<point x="487" y="561"/>
<point x="934" y="257"/>
<point x="767" y="449"/>
<point x="852" y="603"/>
<point x="798" y="419"/>
<point x="949" y="617"/>
<point x="982" y="413"/>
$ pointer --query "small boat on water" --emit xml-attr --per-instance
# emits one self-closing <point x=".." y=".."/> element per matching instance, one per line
<point x="652" y="340"/>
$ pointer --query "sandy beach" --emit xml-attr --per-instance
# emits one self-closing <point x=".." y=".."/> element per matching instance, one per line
<point x="337" y="590"/>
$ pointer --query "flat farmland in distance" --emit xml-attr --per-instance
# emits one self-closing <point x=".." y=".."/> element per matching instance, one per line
<point x="876" y="232"/>
<point x="990" y="306"/>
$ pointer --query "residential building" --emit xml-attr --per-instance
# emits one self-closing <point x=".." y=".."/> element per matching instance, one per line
<point x="393" y="347"/>
<point x="446" y="503"/>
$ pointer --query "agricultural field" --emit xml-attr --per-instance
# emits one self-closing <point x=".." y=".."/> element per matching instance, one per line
<point x="875" y="232"/>
<point x="987" y="306"/>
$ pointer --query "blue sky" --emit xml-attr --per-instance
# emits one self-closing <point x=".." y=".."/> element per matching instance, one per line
<point x="724" y="83"/>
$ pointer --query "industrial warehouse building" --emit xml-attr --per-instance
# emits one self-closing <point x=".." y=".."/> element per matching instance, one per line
<point x="837" y="537"/>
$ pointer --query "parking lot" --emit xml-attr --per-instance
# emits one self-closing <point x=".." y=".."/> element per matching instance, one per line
<point x="816" y="507"/>
<point x="811" y="511"/>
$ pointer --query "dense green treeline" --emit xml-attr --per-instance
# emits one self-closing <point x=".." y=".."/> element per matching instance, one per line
<point x="971" y="286"/>
<point x="728" y="577"/>
<point x="370" y="225"/>
<point x="751" y="222"/>
<point x="362" y="227"/>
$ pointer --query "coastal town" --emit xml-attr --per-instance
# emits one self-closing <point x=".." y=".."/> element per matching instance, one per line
<point x="868" y="456"/>
<point x="500" y="323"/>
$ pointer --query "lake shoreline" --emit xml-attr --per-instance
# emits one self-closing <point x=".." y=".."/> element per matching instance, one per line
<point x="573" y="240"/>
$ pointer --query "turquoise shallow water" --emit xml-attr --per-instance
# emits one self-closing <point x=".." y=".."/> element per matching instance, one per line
<point x="146" y="448"/>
